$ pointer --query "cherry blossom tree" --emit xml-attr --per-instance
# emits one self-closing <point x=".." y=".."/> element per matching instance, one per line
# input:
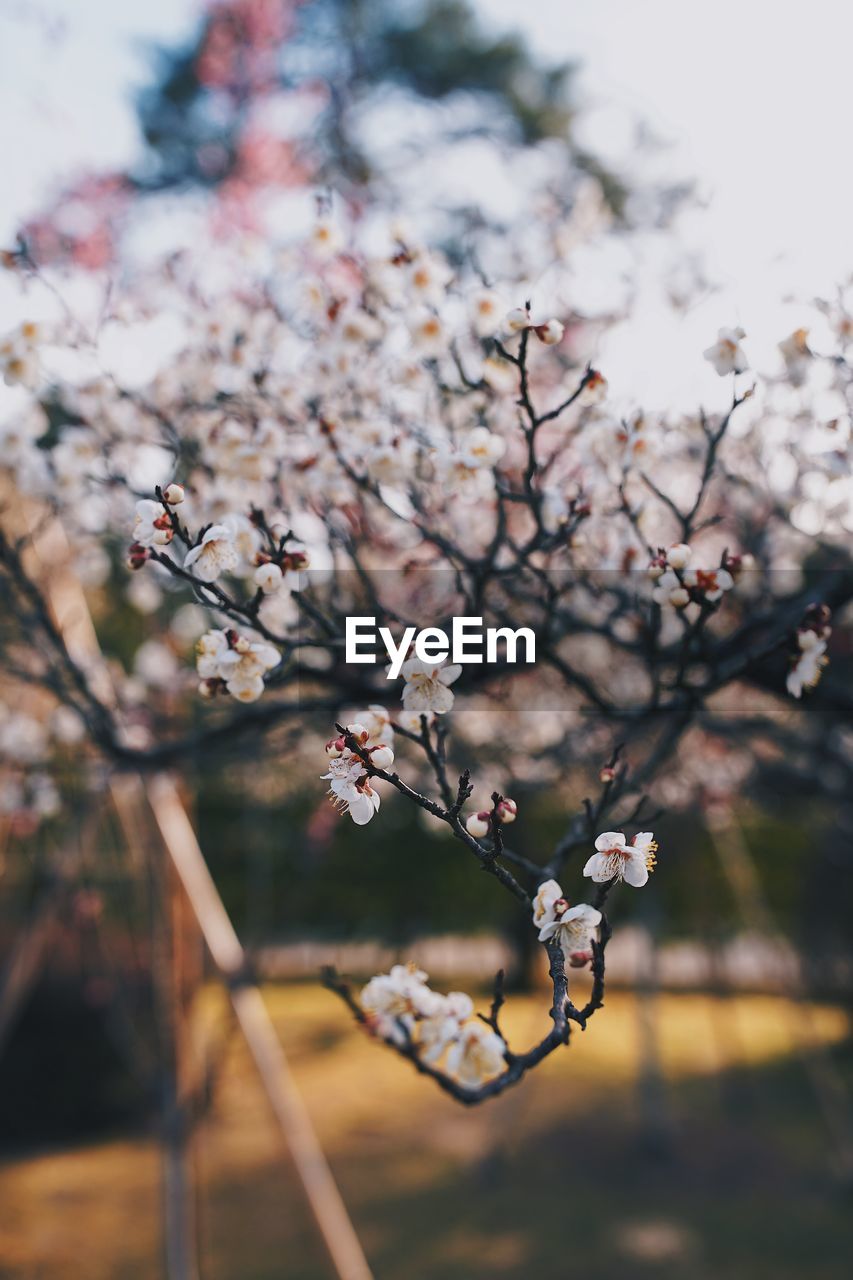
<point x="351" y="425"/>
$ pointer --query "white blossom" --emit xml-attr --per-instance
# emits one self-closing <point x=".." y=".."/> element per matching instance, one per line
<point x="670" y="589"/>
<point x="19" y="361"/>
<point x="426" y="690"/>
<point x="727" y="355"/>
<point x="482" y="448"/>
<point x="326" y="238"/>
<point x="376" y="720"/>
<point x="215" y="554"/>
<point x="443" y="1027"/>
<point x="615" y="859"/>
<point x="429" y="276"/>
<point x="808" y="667"/>
<point x="394" y="1000"/>
<point x="797" y="355"/>
<point x="477" y="1055"/>
<point x="152" y="527"/>
<point x="428" y="334"/>
<point x="573" y="927"/>
<point x="486" y="313"/>
<point x="711" y="583"/>
<point x="499" y="374"/>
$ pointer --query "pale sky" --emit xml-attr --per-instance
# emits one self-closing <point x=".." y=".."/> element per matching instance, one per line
<point x="754" y="97"/>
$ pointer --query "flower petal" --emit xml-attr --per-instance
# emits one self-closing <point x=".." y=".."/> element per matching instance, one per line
<point x="610" y="840"/>
<point x="635" y="872"/>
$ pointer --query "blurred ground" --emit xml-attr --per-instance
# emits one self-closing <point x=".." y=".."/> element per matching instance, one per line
<point x="555" y="1179"/>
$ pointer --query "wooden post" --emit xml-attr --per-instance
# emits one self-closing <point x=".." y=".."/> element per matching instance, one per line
<point x="71" y="612"/>
<point x="230" y="959"/>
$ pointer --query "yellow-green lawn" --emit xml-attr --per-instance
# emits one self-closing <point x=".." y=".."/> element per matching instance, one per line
<point x="555" y="1179"/>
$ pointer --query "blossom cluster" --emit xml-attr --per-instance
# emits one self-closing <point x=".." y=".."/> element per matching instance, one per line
<point x="575" y="927"/>
<point x="230" y="663"/>
<point x="678" y="585"/>
<point x="350" y="782"/>
<point x="441" y="1029"/>
<point x="371" y="397"/>
<point x="809" y="657"/>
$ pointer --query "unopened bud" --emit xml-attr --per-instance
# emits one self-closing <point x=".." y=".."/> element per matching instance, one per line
<point x="335" y="747"/>
<point x="295" y="560"/>
<point x="517" y="320"/>
<point x="268" y="577"/>
<point x="506" y="810"/>
<point x="137" y="555"/>
<point x="173" y="494"/>
<point x="679" y="555"/>
<point x="550" y="333"/>
<point x="578" y="959"/>
<point x="679" y="598"/>
<point x="595" y="387"/>
<point x="478" y="825"/>
<point x="381" y="757"/>
<point x="607" y="774"/>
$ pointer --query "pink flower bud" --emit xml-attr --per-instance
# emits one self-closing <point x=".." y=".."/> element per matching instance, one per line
<point x="607" y="774"/>
<point x="578" y="959"/>
<point x="550" y="333"/>
<point x="294" y="560"/>
<point x="335" y="747"/>
<point x="506" y="810"/>
<point x="137" y="555"/>
<point x="479" y="824"/>
<point x="381" y="757"/>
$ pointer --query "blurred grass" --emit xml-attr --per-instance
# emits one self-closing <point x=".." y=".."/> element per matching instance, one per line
<point x="551" y="1180"/>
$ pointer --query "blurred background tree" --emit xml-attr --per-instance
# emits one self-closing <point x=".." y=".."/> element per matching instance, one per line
<point x="277" y="95"/>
